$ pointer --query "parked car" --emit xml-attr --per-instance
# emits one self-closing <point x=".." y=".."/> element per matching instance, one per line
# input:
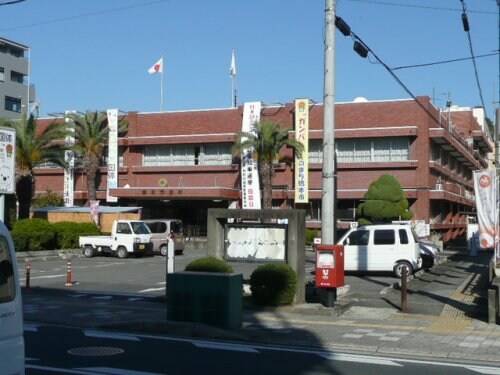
<point x="385" y="247"/>
<point x="429" y="252"/>
<point x="164" y="230"/>
<point x="11" y="309"/>
<point x="127" y="237"/>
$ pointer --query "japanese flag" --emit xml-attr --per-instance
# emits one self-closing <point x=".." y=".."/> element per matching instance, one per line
<point x="157" y="67"/>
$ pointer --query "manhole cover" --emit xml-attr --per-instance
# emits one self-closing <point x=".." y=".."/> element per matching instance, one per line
<point x="95" y="351"/>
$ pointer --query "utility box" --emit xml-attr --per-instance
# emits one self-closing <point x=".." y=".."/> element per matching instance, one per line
<point x="205" y="297"/>
<point x="329" y="266"/>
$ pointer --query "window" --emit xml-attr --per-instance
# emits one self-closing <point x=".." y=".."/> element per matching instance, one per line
<point x="7" y="281"/>
<point x="123" y="228"/>
<point x="403" y="237"/>
<point x="16" y="77"/>
<point x="359" y="238"/>
<point x="12" y="104"/>
<point x="364" y="150"/>
<point x="384" y="237"/>
<point x="171" y="155"/>
<point x="2" y="74"/>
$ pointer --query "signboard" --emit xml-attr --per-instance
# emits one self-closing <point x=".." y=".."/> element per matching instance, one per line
<point x="302" y="162"/>
<point x="250" y="187"/>
<point x="69" y="172"/>
<point x="112" y="154"/>
<point x="485" y="187"/>
<point x="247" y="242"/>
<point x="7" y="161"/>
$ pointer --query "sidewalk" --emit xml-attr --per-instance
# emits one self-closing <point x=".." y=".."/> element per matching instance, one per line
<point x="447" y="318"/>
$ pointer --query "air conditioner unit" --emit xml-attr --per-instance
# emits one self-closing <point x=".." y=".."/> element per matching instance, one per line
<point x="439" y="186"/>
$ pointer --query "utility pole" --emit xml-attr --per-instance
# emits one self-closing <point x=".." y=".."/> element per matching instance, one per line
<point x="328" y="224"/>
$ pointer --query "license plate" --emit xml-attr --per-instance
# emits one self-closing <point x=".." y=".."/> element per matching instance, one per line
<point x="142" y="246"/>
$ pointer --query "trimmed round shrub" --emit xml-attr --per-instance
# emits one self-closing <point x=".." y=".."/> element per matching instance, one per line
<point x="209" y="264"/>
<point x="68" y="233"/>
<point x="33" y="235"/>
<point x="273" y="284"/>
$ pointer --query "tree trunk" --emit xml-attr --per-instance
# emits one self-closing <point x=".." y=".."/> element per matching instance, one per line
<point x="267" y="186"/>
<point x="91" y="172"/>
<point x="24" y="192"/>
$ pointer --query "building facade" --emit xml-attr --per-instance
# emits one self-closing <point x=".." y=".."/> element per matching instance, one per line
<point x="16" y="93"/>
<point x="179" y="164"/>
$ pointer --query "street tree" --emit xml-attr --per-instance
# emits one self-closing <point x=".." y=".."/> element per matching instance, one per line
<point x="384" y="202"/>
<point x="91" y="133"/>
<point x="34" y="147"/>
<point x="266" y="140"/>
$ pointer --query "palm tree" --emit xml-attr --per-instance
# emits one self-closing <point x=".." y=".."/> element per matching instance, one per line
<point x="91" y="134"/>
<point x="33" y="148"/>
<point x="266" y="140"/>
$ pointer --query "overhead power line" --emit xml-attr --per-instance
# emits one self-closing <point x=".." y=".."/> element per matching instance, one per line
<point x="80" y="15"/>
<point x="11" y="2"/>
<point x="444" y="61"/>
<point x="465" y="22"/>
<point x="420" y="6"/>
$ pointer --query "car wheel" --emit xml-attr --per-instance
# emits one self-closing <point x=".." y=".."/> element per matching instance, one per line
<point x="164" y="250"/>
<point x="398" y="269"/>
<point x="121" y="252"/>
<point x="88" y="251"/>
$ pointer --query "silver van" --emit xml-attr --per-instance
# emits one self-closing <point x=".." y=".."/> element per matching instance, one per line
<point x="163" y="230"/>
<point x="11" y="311"/>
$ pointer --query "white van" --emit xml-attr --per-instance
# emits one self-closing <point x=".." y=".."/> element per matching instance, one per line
<point x="387" y="247"/>
<point x="11" y="311"/>
<point x="164" y="230"/>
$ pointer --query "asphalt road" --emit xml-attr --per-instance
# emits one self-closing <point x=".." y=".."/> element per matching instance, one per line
<point x="91" y="352"/>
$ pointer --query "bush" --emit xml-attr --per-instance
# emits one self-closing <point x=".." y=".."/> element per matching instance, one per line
<point x="310" y="235"/>
<point x="209" y="264"/>
<point x="273" y="284"/>
<point x="33" y="235"/>
<point x="68" y="233"/>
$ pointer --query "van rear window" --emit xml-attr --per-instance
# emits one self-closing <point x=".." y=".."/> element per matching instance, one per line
<point x="7" y="281"/>
<point x="384" y="237"/>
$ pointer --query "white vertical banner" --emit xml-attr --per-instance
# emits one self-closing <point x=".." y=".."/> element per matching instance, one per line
<point x="94" y="211"/>
<point x="485" y="191"/>
<point x="302" y="162"/>
<point x="112" y="154"/>
<point x="69" y="171"/>
<point x="7" y="160"/>
<point x="250" y="187"/>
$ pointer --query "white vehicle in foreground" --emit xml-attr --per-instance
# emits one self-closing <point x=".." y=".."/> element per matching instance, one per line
<point x="127" y="237"/>
<point x="384" y="247"/>
<point x="11" y="309"/>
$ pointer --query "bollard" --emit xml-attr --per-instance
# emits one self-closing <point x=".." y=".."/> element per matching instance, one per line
<point x="28" y="271"/>
<point x="404" y="294"/>
<point x="68" y="276"/>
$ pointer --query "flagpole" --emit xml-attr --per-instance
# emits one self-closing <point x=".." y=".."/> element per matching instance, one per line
<point x="161" y="84"/>
<point x="233" y="80"/>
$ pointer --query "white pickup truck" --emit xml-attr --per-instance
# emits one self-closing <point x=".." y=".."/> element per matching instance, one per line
<point x="127" y="237"/>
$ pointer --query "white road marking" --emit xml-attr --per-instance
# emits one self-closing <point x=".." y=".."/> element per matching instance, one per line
<point x="224" y="346"/>
<point x="30" y="327"/>
<point x="116" y="371"/>
<point x="44" y="277"/>
<point x="359" y="359"/>
<point x="110" y="335"/>
<point x="484" y="370"/>
<point x="151" y="290"/>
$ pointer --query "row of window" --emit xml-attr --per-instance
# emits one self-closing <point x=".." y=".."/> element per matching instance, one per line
<point x="11" y="50"/>
<point x="14" y="76"/>
<point x="348" y="151"/>
<point x="12" y="104"/>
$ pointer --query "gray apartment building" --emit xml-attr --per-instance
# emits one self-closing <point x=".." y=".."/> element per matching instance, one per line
<point x="15" y="91"/>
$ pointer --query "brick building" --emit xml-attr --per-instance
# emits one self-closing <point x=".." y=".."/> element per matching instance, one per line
<point x="179" y="164"/>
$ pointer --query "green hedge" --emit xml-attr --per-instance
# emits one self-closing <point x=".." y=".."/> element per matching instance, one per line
<point x="39" y="234"/>
<point x="310" y="235"/>
<point x="209" y="264"/>
<point x="68" y="233"/>
<point x="273" y="284"/>
<point x="33" y="235"/>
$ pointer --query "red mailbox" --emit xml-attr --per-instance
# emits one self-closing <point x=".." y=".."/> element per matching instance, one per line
<point x="329" y="266"/>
